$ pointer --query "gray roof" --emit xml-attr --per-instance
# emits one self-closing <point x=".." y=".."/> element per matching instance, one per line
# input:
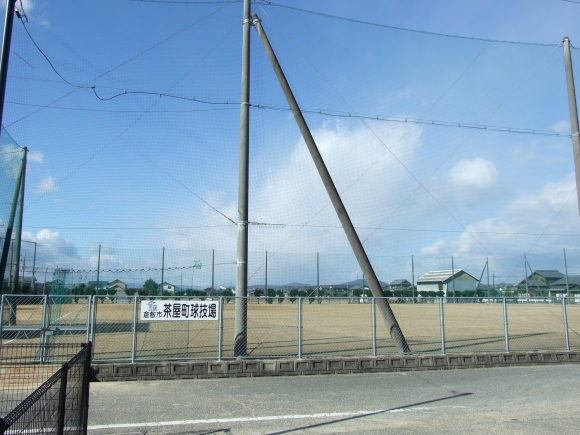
<point x="572" y="280"/>
<point x="400" y="281"/>
<point x="532" y="283"/>
<point x="549" y="273"/>
<point x="442" y="275"/>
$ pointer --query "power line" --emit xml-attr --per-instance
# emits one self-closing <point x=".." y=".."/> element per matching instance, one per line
<point x="118" y="65"/>
<point x="425" y="32"/>
<point x="283" y="225"/>
<point x="201" y="2"/>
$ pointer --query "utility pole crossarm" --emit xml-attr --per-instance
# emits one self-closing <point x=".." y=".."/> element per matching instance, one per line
<point x="352" y="236"/>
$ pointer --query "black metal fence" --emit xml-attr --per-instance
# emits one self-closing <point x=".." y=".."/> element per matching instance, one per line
<point x="60" y="404"/>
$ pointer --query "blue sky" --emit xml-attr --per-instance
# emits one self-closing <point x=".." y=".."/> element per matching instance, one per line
<point x="141" y="171"/>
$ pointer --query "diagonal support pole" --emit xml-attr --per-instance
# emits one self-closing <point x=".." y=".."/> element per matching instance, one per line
<point x="352" y="236"/>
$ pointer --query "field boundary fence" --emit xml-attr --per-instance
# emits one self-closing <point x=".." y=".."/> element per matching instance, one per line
<point x="137" y="328"/>
<point x="60" y="404"/>
<point x="133" y="329"/>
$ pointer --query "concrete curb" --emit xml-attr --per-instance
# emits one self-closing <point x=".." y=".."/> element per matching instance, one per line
<point x="322" y="366"/>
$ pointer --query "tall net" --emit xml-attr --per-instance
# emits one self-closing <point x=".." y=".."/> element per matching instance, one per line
<point x="10" y="162"/>
<point x="448" y="152"/>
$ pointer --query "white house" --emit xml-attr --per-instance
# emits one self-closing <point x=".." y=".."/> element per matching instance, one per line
<point x="170" y="288"/>
<point x="446" y="280"/>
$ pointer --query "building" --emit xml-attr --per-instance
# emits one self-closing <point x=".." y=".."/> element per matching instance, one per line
<point x="118" y="286"/>
<point x="447" y="281"/>
<point x="545" y="277"/>
<point x="573" y="284"/>
<point x="170" y="288"/>
<point x="400" y="284"/>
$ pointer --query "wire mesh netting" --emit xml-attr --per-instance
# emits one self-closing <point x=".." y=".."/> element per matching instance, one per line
<point x="449" y="153"/>
<point x="10" y="164"/>
<point x="288" y="326"/>
<point x="60" y="403"/>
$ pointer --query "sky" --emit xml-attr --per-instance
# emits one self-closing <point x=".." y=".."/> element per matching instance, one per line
<point x="130" y="110"/>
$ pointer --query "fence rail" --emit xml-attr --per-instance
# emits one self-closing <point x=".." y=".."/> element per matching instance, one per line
<point x="60" y="404"/>
<point x="130" y="329"/>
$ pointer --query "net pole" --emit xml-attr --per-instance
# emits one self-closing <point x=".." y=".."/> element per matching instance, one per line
<point x="10" y="225"/>
<point x="573" y="113"/>
<point x="355" y="243"/>
<point x="6" y="41"/>
<point x="18" y="236"/>
<point x="241" y="309"/>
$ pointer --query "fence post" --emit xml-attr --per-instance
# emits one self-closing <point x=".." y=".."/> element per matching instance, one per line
<point x="299" y="328"/>
<point x="220" y="328"/>
<point x="505" y="326"/>
<point x="45" y="324"/>
<point x="134" y="342"/>
<point x="93" y="324"/>
<point x="85" y="390"/>
<point x="442" y="325"/>
<point x="88" y="319"/>
<point x="1" y="316"/>
<point x="62" y="399"/>
<point x="565" y="315"/>
<point x="374" y="326"/>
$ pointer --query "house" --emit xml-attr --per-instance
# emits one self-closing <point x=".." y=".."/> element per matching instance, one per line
<point x="559" y="287"/>
<point x="540" y="281"/>
<point x="118" y="286"/>
<point x="400" y="284"/>
<point x="170" y="288"/>
<point x="447" y="280"/>
<point x="535" y="286"/>
<point x="545" y="277"/>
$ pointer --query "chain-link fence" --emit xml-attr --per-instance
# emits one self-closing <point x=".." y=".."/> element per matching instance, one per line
<point x="181" y="327"/>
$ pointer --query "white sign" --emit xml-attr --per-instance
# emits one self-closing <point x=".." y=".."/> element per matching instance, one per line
<point x="159" y="309"/>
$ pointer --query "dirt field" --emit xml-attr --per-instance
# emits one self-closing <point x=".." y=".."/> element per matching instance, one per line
<point x="334" y="327"/>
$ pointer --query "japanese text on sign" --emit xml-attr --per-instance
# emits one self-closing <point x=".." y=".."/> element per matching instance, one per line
<point x="179" y="310"/>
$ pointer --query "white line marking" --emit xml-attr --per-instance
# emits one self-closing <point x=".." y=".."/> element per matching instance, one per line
<point x="251" y="419"/>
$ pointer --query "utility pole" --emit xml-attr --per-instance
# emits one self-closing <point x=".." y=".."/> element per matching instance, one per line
<point x="162" y="271"/>
<point x="573" y="113"/>
<point x="355" y="243"/>
<point x="34" y="269"/>
<point x="413" y="277"/>
<point x="241" y="320"/>
<point x="212" y="271"/>
<point x="18" y="236"/>
<point x="98" y="270"/>
<point x="266" y="280"/>
<point x="487" y="270"/>
<point x="566" y="270"/>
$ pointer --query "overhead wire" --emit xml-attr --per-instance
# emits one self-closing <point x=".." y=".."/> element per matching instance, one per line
<point x="119" y="135"/>
<point x="420" y="184"/>
<point x="126" y="61"/>
<point x="405" y="29"/>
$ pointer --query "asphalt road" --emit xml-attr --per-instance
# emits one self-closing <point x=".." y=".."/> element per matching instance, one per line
<point x="512" y="400"/>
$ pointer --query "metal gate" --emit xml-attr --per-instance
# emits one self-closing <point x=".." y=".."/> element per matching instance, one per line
<point x="38" y="319"/>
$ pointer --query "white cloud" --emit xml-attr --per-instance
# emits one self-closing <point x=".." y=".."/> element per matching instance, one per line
<point x="515" y="228"/>
<point x="469" y="181"/>
<point x="36" y="156"/>
<point x="291" y="192"/>
<point x="53" y="250"/>
<point x="46" y="185"/>
<point x="478" y="174"/>
<point x="562" y="126"/>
